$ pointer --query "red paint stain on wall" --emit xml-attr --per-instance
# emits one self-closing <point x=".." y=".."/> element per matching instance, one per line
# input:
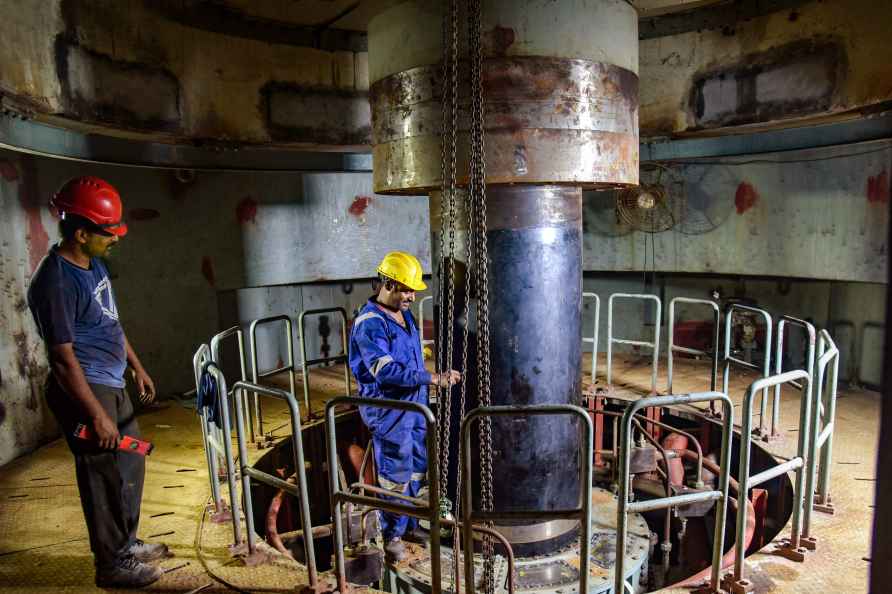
<point x="207" y="271"/>
<point x="143" y="214"/>
<point x="746" y="197"/>
<point x="878" y="188"/>
<point x="246" y="211"/>
<point x="359" y="205"/>
<point x="37" y="238"/>
<point x="9" y="171"/>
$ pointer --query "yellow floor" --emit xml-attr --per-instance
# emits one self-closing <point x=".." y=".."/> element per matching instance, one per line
<point x="43" y="544"/>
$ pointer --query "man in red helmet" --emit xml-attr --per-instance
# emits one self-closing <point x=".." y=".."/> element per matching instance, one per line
<point x="74" y="307"/>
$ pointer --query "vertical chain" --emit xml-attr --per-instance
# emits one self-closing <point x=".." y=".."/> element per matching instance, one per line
<point x="477" y="191"/>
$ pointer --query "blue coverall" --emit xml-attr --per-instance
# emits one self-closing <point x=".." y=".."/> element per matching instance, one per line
<point x="387" y="361"/>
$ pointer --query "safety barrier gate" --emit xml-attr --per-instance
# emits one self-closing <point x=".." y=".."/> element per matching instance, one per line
<point x="728" y="359"/>
<point x="307" y="363"/>
<point x="822" y="426"/>
<point x="625" y="507"/>
<point x="673" y="348"/>
<point x="258" y="375"/>
<point x="217" y="340"/>
<point x="594" y="339"/>
<point x="792" y="550"/>
<point x="778" y="365"/>
<point x="655" y="345"/>
<point x="211" y="437"/>
<point x="584" y="512"/>
<point x="248" y="472"/>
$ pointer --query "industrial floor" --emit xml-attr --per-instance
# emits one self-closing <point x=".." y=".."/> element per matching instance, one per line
<point x="44" y="547"/>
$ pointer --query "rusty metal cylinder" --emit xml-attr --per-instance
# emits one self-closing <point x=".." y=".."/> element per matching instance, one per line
<point x="560" y="90"/>
<point x="561" y="94"/>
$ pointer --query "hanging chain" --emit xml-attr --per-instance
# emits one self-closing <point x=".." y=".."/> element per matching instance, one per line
<point x="448" y="221"/>
<point x="477" y="191"/>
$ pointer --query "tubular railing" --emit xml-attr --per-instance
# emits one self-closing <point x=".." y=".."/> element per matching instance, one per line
<point x="728" y="359"/>
<point x="211" y="435"/>
<point x="778" y="365"/>
<point x="307" y="363"/>
<point x="673" y="348"/>
<point x="215" y="352"/>
<point x="583" y="512"/>
<point x="429" y="510"/>
<point x="655" y="345"/>
<point x="823" y="423"/>
<point x="248" y="472"/>
<point x="796" y="463"/>
<point x="257" y="375"/>
<point x="625" y="507"/>
<point x="224" y="448"/>
<point x="424" y="341"/>
<point x="594" y="339"/>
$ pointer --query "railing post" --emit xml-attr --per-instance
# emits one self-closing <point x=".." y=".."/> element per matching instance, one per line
<point x="728" y="359"/>
<point x="307" y="363"/>
<point x="778" y="364"/>
<point x="256" y="374"/>
<point x="655" y="345"/>
<point x="714" y="354"/>
<point x="595" y="329"/>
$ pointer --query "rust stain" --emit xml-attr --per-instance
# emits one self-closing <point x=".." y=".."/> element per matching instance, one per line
<point x="37" y="238"/>
<point x="746" y="197"/>
<point x="144" y="214"/>
<point x="359" y="205"/>
<point x="9" y="171"/>
<point x="497" y="41"/>
<point x="246" y="211"/>
<point x="878" y="188"/>
<point x="207" y="271"/>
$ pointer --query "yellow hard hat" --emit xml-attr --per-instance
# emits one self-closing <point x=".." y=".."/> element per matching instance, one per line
<point x="404" y="268"/>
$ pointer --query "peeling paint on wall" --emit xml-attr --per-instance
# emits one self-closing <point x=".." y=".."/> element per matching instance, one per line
<point x="246" y="210"/>
<point x="878" y="188"/>
<point x="37" y="238"/>
<point x="745" y="198"/>
<point x="359" y="204"/>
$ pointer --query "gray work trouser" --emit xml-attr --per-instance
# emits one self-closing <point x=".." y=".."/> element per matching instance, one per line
<point x="110" y="482"/>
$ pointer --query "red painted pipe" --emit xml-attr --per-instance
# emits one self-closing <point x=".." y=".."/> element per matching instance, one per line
<point x="675" y="441"/>
<point x="272" y="518"/>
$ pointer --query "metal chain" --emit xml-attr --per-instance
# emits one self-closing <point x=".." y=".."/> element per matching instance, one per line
<point x="477" y="183"/>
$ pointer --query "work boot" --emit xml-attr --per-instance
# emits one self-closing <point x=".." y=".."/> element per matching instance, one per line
<point x="149" y="551"/>
<point x="394" y="550"/>
<point x="127" y="573"/>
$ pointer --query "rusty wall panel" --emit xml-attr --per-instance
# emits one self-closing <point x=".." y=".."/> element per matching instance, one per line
<point x="815" y="60"/>
<point x="25" y="230"/>
<point x="820" y="213"/>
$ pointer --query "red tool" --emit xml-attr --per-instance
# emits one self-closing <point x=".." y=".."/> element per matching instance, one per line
<point x="127" y="443"/>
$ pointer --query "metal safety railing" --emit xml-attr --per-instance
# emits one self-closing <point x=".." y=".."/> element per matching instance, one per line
<point x="225" y="448"/>
<point x="797" y="464"/>
<point x="428" y="510"/>
<point x="595" y="327"/>
<point x="211" y="435"/>
<point x="215" y="343"/>
<point x="823" y="423"/>
<point x="248" y="472"/>
<point x="308" y="363"/>
<point x="583" y="512"/>
<point x="674" y="348"/>
<point x="779" y="362"/>
<point x="625" y="507"/>
<point x="728" y="359"/>
<point x="655" y="345"/>
<point x="258" y="375"/>
<point x="424" y="341"/>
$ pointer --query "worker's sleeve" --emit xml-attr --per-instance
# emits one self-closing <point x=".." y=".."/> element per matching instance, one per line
<point x="53" y="310"/>
<point x="384" y="365"/>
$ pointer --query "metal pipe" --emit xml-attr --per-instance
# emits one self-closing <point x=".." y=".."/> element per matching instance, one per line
<point x="673" y="348"/>
<point x="623" y="504"/>
<point x="431" y="512"/>
<point x="596" y="327"/>
<point x="767" y="475"/>
<point x="272" y="528"/>
<point x="223" y="398"/>
<point x="240" y="388"/>
<point x="728" y="359"/>
<point x="830" y="421"/>
<point x="744" y="466"/>
<point x="215" y="354"/>
<point x="778" y="363"/>
<point x="585" y="511"/>
<point x="509" y="551"/>
<point x="655" y="345"/>
<point x="305" y="367"/>
<point x="256" y="375"/>
<point x="201" y="356"/>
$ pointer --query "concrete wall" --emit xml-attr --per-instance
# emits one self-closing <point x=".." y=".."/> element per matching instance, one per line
<point x="821" y="213"/>
<point x="813" y="61"/>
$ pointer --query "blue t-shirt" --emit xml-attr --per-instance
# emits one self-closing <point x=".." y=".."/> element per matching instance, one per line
<point x="77" y="305"/>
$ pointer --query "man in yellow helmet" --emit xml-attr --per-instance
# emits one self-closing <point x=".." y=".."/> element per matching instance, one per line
<point x="387" y="361"/>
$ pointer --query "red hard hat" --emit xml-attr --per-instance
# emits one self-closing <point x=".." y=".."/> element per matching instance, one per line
<point x="94" y="199"/>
